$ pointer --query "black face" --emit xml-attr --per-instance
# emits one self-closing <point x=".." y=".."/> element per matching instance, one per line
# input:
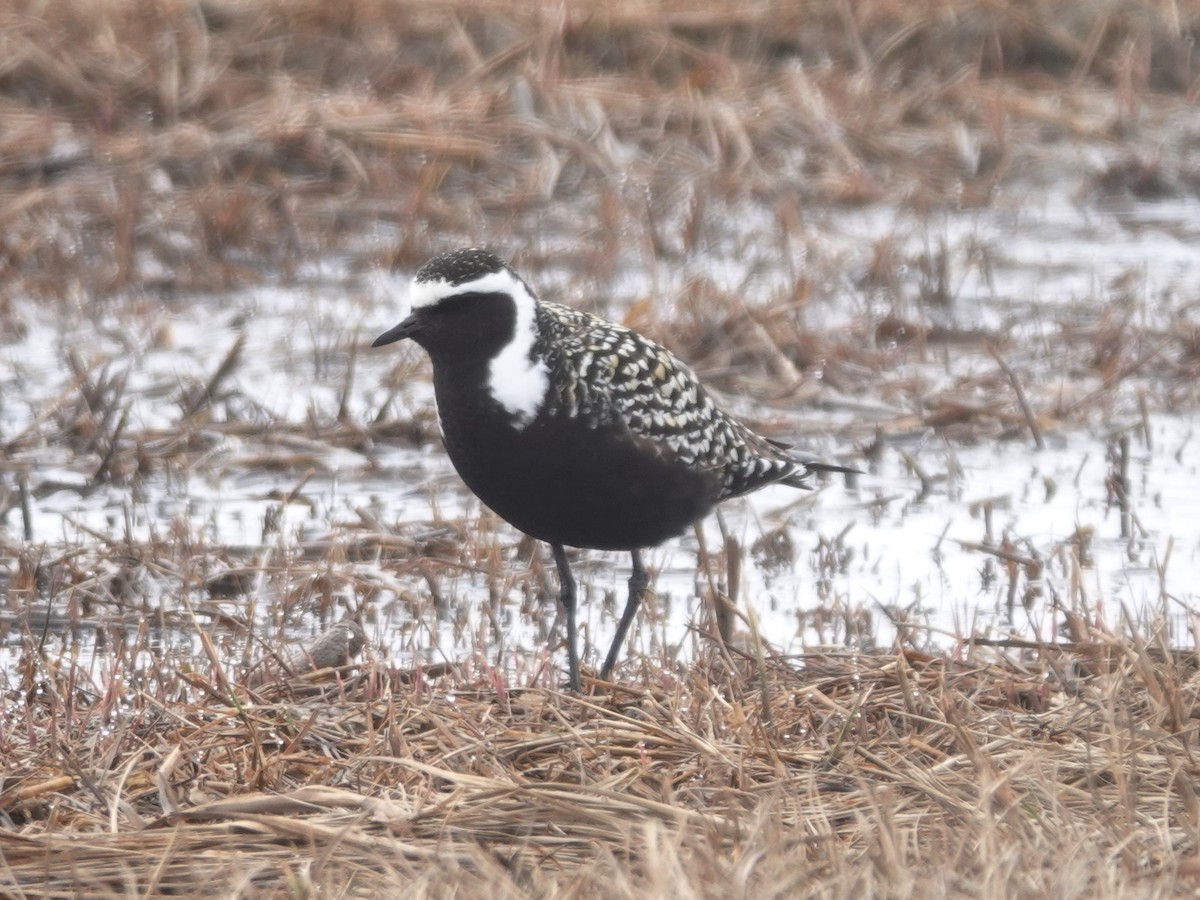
<point x="464" y="308"/>
<point x="459" y="329"/>
<point x="469" y="325"/>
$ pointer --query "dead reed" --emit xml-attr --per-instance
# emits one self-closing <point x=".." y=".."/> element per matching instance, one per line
<point x="170" y="147"/>
<point x="1021" y="770"/>
<point x="154" y="154"/>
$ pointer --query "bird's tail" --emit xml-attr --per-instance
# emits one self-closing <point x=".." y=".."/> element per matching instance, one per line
<point x="818" y="466"/>
<point x="812" y="464"/>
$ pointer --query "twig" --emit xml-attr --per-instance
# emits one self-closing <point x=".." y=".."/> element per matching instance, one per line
<point x="1022" y="400"/>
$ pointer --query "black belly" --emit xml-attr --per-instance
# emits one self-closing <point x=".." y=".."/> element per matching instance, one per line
<point x="565" y="483"/>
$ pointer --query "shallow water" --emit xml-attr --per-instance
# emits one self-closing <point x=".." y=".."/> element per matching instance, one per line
<point x="905" y="553"/>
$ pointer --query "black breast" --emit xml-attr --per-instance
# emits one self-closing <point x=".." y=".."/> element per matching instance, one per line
<point x="563" y="480"/>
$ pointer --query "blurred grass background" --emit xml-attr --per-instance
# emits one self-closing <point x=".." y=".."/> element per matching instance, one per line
<point x="159" y="149"/>
<point x="177" y="145"/>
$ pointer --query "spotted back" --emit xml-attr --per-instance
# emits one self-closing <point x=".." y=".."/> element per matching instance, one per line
<point x="607" y="375"/>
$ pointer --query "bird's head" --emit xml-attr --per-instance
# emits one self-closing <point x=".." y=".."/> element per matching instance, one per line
<point x="466" y="304"/>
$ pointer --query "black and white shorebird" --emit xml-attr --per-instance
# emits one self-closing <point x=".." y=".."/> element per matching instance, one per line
<point x="576" y="430"/>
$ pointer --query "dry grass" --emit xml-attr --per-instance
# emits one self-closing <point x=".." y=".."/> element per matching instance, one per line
<point x="1036" y="771"/>
<point x="167" y="146"/>
<point x="159" y="149"/>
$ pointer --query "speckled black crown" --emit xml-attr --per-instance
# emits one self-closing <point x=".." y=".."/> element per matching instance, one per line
<point x="460" y="266"/>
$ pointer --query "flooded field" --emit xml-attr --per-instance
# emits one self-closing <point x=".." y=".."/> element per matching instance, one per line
<point x="948" y="535"/>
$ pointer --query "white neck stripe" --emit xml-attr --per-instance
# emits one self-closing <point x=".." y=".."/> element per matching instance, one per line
<point x="516" y="381"/>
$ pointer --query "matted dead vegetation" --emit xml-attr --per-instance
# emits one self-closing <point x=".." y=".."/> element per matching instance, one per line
<point x="155" y="152"/>
<point x="1021" y="771"/>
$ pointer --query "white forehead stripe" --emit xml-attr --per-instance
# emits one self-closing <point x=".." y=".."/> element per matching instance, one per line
<point x="516" y="381"/>
<point x="428" y="293"/>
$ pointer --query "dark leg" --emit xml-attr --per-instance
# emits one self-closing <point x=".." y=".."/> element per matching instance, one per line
<point x="638" y="582"/>
<point x="566" y="596"/>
